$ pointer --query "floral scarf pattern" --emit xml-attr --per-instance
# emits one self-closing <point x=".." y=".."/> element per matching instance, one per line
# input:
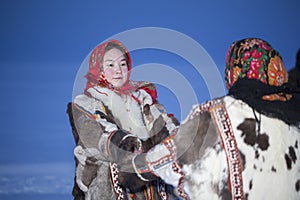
<point x="95" y="75"/>
<point x="255" y="74"/>
<point x="254" y="58"/>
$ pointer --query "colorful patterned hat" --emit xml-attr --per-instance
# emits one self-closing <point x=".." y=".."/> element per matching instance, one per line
<point x="254" y="58"/>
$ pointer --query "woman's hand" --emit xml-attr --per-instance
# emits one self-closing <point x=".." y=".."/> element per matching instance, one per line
<point x="123" y="145"/>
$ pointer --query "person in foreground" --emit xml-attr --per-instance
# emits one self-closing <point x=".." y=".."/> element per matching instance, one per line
<point x="245" y="145"/>
<point x="114" y="117"/>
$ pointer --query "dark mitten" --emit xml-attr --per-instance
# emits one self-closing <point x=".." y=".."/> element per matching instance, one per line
<point x="131" y="177"/>
<point x="155" y="139"/>
<point x="122" y="144"/>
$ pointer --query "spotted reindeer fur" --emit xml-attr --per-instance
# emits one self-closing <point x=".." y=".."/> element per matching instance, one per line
<point x="268" y="152"/>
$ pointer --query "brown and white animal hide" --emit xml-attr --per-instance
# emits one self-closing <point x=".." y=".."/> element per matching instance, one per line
<point x="237" y="153"/>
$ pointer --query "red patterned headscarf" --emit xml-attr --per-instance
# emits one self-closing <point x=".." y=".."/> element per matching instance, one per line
<point x="95" y="75"/>
<point x="254" y="58"/>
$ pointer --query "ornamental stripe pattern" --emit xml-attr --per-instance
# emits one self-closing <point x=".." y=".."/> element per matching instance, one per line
<point x="114" y="177"/>
<point x="223" y="125"/>
<point x="226" y="133"/>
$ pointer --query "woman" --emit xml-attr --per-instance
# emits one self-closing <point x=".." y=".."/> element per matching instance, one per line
<point x="112" y="117"/>
<point x="241" y="146"/>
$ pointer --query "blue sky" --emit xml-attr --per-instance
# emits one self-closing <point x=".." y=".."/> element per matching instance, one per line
<point x="43" y="44"/>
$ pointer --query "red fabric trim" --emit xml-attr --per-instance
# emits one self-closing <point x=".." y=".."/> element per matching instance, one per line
<point x="94" y="75"/>
<point x="152" y="92"/>
<point x="224" y="128"/>
<point x="89" y="115"/>
<point x="108" y="141"/>
<point x="136" y="99"/>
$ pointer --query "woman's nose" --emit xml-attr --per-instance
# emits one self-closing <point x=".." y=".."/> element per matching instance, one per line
<point x="118" y="68"/>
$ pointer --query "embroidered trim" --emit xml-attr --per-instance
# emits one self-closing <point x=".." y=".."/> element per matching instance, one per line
<point x="108" y="141"/>
<point x="226" y="133"/>
<point x="91" y="116"/>
<point x="201" y="109"/>
<point x="169" y="143"/>
<point x="120" y="194"/>
<point x="180" y="188"/>
<point x="223" y="124"/>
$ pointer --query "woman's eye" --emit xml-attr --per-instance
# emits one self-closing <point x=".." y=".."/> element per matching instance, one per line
<point x="110" y="65"/>
<point x="123" y="64"/>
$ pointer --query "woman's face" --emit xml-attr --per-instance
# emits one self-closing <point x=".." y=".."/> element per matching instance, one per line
<point x="115" y="67"/>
